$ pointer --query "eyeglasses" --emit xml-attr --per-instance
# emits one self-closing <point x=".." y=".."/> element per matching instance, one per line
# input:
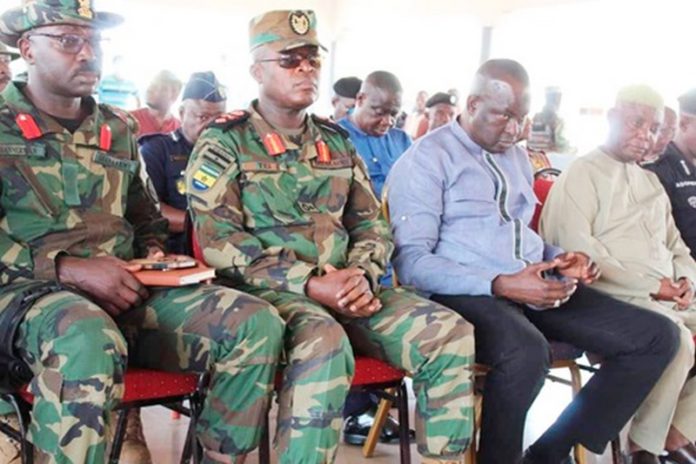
<point x="6" y="59"/>
<point x="294" y="60"/>
<point x="73" y="43"/>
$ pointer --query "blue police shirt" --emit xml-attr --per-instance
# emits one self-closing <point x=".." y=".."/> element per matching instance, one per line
<point x="166" y="157"/>
<point x="379" y="153"/>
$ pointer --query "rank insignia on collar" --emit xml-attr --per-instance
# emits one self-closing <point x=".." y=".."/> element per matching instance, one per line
<point x="105" y="137"/>
<point x="273" y="144"/>
<point x="30" y="130"/>
<point x="323" y="152"/>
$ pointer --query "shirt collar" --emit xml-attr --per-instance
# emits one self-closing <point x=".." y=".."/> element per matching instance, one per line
<point x="18" y="103"/>
<point x="263" y="129"/>
<point x="461" y="135"/>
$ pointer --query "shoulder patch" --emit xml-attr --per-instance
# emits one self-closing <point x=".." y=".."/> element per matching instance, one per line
<point x="329" y="125"/>
<point x="230" y="119"/>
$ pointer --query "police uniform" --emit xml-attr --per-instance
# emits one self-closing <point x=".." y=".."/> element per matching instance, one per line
<point x="270" y="211"/>
<point x="678" y="176"/>
<point x="83" y="194"/>
<point x="166" y="156"/>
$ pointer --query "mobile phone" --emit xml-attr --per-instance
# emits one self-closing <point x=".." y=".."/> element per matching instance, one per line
<point x="166" y="263"/>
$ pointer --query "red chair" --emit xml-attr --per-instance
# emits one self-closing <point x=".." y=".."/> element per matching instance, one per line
<point x="373" y="375"/>
<point x="143" y="387"/>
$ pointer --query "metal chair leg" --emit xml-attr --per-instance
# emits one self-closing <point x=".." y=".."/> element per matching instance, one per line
<point x="380" y="417"/>
<point x="616" y="455"/>
<point x="23" y="412"/>
<point x="118" y="436"/>
<point x="404" y="428"/>
<point x="265" y="444"/>
<point x="576" y="384"/>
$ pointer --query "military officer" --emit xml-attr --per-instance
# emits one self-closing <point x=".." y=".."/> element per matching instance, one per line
<point x="166" y="155"/>
<point x="282" y="206"/>
<point x="74" y="209"/>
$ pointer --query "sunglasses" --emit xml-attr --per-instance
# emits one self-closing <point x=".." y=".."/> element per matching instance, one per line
<point x="294" y="60"/>
<point x="73" y="43"/>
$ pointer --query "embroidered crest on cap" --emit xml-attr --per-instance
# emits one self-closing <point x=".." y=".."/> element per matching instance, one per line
<point x="299" y="22"/>
<point x="85" y="9"/>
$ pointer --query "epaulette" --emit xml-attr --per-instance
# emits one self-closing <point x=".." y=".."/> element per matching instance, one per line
<point x="330" y="125"/>
<point x="229" y="120"/>
<point x="123" y="115"/>
<point x="147" y="137"/>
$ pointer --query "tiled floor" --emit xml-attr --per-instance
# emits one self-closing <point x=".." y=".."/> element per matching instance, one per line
<point x="165" y="436"/>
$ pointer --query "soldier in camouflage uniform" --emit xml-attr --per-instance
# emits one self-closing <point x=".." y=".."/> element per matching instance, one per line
<point x="283" y="207"/>
<point x="73" y="209"/>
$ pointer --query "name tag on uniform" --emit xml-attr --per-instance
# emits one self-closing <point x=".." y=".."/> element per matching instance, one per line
<point x="15" y="149"/>
<point x="113" y="162"/>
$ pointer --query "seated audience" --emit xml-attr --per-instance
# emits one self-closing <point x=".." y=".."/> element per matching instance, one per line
<point x="461" y="200"/>
<point x="607" y="206"/>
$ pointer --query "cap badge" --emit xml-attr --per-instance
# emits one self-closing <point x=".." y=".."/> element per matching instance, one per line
<point x="299" y="22"/>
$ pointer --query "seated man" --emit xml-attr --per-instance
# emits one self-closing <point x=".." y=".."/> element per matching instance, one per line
<point x="607" y="206"/>
<point x="282" y="206"/>
<point x="461" y="200"/>
<point x="371" y="125"/>
<point x="75" y="208"/>
<point x="156" y="116"/>
<point x="344" y="92"/>
<point x="676" y="169"/>
<point x="440" y="109"/>
<point x="166" y="155"/>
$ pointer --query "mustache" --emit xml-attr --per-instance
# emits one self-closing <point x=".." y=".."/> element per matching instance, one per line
<point x="90" y="66"/>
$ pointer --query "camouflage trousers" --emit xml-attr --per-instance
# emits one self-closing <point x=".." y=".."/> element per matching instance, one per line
<point x="79" y="355"/>
<point x="432" y="343"/>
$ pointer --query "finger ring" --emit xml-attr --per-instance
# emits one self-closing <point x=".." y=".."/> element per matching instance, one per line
<point x="557" y="303"/>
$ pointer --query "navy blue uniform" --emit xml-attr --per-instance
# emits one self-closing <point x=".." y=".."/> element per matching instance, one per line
<point x="166" y="157"/>
<point x="678" y="176"/>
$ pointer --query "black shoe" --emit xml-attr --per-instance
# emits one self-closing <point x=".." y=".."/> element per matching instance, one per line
<point x="358" y="426"/>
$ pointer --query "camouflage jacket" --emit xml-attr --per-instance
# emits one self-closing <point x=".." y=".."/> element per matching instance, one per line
<point x="271" y="210"/>
<point x="81" y="194"/>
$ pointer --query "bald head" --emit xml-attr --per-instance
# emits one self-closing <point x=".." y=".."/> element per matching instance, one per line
<point x="378" y="103"/>
<point x="497" y="105"/>
<point x="498" y="70"/>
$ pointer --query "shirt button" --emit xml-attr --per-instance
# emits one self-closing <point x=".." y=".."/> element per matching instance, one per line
<point x="403" y="218"/>
<point x="375" y="160"/>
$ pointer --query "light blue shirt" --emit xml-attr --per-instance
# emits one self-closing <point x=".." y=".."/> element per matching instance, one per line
<point x="379" y="153"/>
<point x="460" y="215"/>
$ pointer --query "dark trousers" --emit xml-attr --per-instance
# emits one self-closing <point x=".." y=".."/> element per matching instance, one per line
<point x="636" y="345"/>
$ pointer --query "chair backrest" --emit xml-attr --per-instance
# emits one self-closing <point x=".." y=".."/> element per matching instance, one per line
<point x="542" y="186"/>
<point x="385" y="213"/>
<point x="193" y="247"/>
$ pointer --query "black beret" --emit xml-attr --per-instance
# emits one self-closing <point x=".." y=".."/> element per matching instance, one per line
<point x="441" y="97"/>
<point x="687" y="102"/>
<point x="347" y="87"/>
<point x="204" y="86"/>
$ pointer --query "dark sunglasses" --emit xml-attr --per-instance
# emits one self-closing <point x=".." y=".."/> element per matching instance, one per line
<point x="294" y="60"/>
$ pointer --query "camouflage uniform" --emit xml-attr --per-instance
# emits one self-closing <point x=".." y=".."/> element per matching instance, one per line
<point x="82" y="194"/>
<point x="270" y="211"/>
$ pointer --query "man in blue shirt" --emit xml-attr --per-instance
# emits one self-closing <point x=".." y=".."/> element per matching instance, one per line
<point x="461" y="200"/>
<point x="166" y="155"/>
<point x="371" y="125"/>
<point x="371" y="129"/>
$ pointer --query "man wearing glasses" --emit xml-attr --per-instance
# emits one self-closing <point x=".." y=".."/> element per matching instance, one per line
<point x="283" y="208"/>
<point x="74" y="208"/>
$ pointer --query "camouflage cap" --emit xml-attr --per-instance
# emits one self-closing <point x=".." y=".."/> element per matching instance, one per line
<point x="6" y="51"/>
<point x="284" y="30"/>
<point x="37" y="13"/>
